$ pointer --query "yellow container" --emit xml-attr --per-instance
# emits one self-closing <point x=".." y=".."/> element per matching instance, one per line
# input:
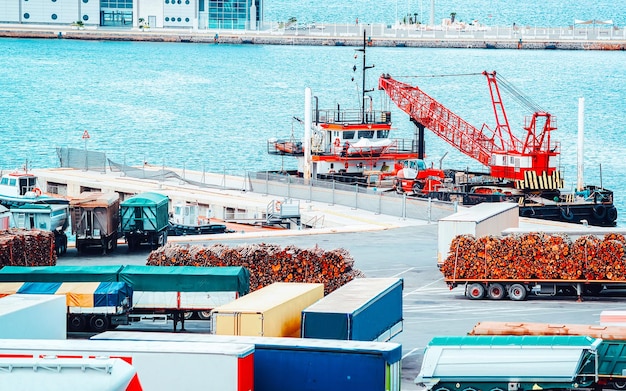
<point x="272" y="311"/>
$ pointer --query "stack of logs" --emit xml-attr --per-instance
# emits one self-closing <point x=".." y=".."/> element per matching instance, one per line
<point x="536" y="256"/>
<point x="267" y="263"/>
<point x="27" y="248"/>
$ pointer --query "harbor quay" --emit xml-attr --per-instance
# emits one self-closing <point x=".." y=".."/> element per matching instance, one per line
<point x="575" y="37"/>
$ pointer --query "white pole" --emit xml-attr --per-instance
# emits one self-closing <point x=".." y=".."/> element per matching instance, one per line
<point x="307" y="135"/>
<point x="581" y="131"/>
<point x="432" y="12"/>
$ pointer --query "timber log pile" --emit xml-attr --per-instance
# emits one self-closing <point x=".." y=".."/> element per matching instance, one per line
<point x="27" y="248"/>
<point x="267" y="263"/>
<point x="536" y="256"/>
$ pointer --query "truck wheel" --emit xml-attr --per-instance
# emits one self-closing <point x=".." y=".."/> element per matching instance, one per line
<point x="475" y="291"/>
<point x="204" y="315"/>
<point x="517" y="292"/>
<point x="188" y="315"/>
<point x="619" y="385"/>
<point x="495" y="291"/>
<point x="76" y="322"/>
<point x="99" y="323"/>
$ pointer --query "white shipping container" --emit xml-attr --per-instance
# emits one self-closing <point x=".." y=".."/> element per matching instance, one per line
<point x="159" y="366"/>
<point x="488" y="218"/>
<point x="33" y="316"/>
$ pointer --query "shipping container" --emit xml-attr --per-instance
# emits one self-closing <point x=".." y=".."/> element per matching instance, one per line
<point x="490" y="218"/>
<point x="95" y="220"/>
<point x="297" y="364"/>
<point x="272" y="311"/>
<point x="364" y="309"/>
<point x="144" y="218"/>
<point x="98" y="305"/>
<point x="44" y="217"/>
<point x="160" y="366"/>
<point x="31" y="316"/>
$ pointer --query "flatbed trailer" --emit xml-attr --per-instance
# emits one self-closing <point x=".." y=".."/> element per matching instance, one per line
<point x="520" y="289"/>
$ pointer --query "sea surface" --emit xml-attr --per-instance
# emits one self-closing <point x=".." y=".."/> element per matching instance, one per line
<point x="544" y="13"/>
<point x="213" y="107"/>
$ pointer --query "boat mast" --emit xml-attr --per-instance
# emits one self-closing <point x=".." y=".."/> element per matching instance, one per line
<point x="363" y="90"/>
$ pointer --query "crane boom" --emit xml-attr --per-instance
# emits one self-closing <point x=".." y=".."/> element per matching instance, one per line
<point x="505" y="155"/>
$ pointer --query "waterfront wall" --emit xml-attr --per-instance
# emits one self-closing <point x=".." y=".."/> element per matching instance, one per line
<point x="569" y="38"/>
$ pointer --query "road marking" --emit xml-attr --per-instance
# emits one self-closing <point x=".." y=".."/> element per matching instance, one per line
<point x="411" y="352"/>
<point x="402" y="272"/>
<point x="421" y="288"/>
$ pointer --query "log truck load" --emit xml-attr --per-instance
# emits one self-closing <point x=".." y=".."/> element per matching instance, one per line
<point x="521" y="169"/>
<point x="535" y="263"/>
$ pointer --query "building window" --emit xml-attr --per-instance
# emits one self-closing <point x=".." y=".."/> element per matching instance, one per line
<point x="187" y="20"/>
<point x="179" y="19"/>
<point x="85" y="17"/>
<point x="26" y="15"/>
<point x="167" y="19"/>
<point x="85" y="1"/>
<point x="54" y="16"/>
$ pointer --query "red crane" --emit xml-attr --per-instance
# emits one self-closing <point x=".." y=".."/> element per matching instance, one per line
<point x="526" y="161"/>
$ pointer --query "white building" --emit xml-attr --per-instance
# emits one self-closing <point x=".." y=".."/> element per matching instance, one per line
<point x="196" y="14"/>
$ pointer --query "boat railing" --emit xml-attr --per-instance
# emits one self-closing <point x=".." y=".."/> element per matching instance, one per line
<point x="351" y="117"/>
<point x="394" y="146"/>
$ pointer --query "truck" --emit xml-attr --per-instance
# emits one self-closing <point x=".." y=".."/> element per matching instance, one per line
<point x="180" y="292"/>
<point x="523" y="363"/>
<point x="45" y="217"/>
<point x="272" y="311"/>
<point x="96" y="306"/>
<point x="364" y="309"/>
<point x="296" y="364"/>
<point x="95" y="220"/>
<point x="31" y="316"/>
<point x="144" y="218"/>
<point x="159" y="366"/>
<point x="160" y="293"/>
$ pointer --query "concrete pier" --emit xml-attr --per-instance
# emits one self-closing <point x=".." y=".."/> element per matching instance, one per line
<point x="416" y="36"/>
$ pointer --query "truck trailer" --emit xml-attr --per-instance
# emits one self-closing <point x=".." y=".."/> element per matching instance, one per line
<point x="364" y="309"/>
<point x="159" y="292"/>
<point x="272" y="311"/>
<point x="95" y="220"/>
<point x="93" y="305"/>
<point x="159" y="366"/>
<point x="144" y="218"/>
<point x="297" y="364"/>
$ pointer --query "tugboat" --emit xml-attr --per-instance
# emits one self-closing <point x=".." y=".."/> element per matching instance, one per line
<point x="354" y="146"/>
<point x="349" y="145"/>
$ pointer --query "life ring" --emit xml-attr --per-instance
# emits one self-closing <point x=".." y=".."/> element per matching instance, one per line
<point x="346" y="165"/>
<point x="599" y="212"/>
<point x="37" y="191"/>
<point x="337" y="142"/>
<point x="277" y="206"/>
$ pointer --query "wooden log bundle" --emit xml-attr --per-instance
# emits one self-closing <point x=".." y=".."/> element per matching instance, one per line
<point x="536" y="256"/>
<point x="27" y="248"/>
<point x="267" y="263"/>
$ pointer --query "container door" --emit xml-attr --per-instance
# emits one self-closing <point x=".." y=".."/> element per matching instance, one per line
<point x="252" y="325"/>
<point x="226" y="323"/>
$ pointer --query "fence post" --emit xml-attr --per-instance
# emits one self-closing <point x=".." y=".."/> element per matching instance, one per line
<point x="403" y="206"/>
<point x="332" y="198"/>
<point x="356" y="196"/>
<point x="430" y="209"/>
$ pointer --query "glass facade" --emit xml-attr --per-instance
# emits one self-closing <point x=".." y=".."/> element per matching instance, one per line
<point x="230" y="14"/>
<point x="116" y="4"/>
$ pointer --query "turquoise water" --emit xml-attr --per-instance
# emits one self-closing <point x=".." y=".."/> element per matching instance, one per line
<point x="547" y="13"/>
<point x="213" y="107"/>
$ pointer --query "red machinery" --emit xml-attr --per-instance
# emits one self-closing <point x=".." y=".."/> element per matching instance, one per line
<point x="525" y="161"/>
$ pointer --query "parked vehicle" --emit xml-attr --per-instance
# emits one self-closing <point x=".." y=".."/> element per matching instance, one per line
<point x="159" y="292"/>
<point x="517" y="363"/>
<point x="145" y="219"/>
<point x="364" y="309"/>
<point x="162" y="366"/>
<point x="95" y="220"/>
<point x="272" y="311"/>
<point x="45" y="217"/>
<point x="296" y="364"/>
<point x="93" y="305"/>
